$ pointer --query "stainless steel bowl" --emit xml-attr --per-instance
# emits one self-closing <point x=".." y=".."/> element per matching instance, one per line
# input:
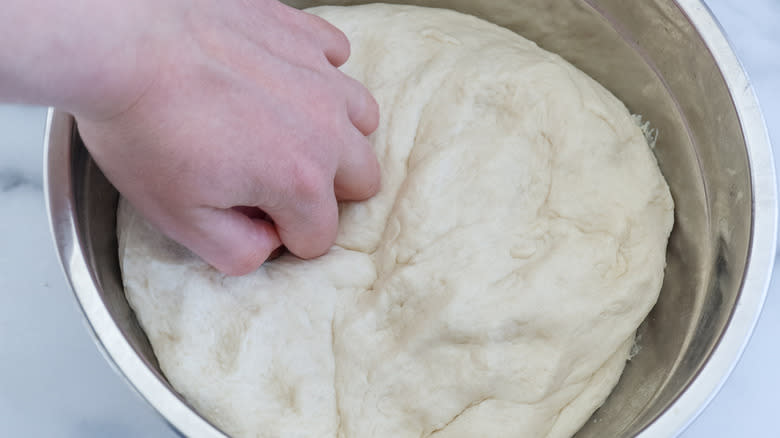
<point x="668" y="61"/>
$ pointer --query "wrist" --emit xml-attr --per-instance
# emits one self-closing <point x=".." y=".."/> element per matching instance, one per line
<point x="89" y="57"/>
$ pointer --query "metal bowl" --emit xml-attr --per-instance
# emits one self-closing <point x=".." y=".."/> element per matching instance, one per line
<point x="669" y="62"/>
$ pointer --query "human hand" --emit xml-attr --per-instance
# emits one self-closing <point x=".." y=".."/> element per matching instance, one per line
<point x="239" y="104"/>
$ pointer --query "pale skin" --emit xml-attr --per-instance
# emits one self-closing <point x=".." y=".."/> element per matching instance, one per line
<point x="225" y="122"/>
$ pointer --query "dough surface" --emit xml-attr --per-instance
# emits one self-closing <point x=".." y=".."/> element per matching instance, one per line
<point x="491" y="289"/>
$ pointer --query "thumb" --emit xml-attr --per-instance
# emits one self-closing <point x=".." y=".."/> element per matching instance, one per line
<point x="231" y="241"/>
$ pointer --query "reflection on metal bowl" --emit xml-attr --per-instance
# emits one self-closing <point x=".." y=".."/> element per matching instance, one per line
<point x="666" y="60"/>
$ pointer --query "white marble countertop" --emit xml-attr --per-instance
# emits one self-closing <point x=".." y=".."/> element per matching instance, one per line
<point x="54" y="382"/>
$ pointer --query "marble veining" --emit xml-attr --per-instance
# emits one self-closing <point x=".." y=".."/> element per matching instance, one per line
<point x="11" y="179"/>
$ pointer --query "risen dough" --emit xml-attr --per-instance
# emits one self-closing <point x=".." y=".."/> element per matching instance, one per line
<point x="491" y="289"/>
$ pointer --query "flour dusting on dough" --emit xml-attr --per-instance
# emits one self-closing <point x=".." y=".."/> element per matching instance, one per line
<point x="491" y="289"/>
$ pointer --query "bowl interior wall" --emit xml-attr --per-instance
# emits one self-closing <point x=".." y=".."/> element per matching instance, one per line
<point x="650" y="56"/>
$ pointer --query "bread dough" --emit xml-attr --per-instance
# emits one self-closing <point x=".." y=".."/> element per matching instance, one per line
<point x="491" y="289"/>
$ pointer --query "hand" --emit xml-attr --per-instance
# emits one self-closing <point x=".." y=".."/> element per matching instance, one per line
<point x="238" y="104"/>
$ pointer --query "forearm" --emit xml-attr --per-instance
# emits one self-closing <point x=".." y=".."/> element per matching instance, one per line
<point x="86" y="56"/>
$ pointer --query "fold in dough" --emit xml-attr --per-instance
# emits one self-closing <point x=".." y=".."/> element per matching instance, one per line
<point x="491" y="289"/>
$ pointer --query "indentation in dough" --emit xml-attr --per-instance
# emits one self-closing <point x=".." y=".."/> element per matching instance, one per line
<point x="491" y="288"/>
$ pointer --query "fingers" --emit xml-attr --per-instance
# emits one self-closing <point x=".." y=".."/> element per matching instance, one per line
<point x="334" y="43"/>
<point x="358" y="174"/>
<point x="308" y="229"/>
<point x="362" y="108"/>
<point x="233" y="242"/>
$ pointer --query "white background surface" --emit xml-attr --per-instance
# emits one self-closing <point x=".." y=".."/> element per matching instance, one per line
<point x="54" y="382"/>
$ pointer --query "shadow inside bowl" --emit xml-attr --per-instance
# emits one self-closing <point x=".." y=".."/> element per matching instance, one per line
<point x="651" y="57"/>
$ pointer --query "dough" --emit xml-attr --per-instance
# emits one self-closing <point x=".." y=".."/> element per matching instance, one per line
<point x="491" y="289"/>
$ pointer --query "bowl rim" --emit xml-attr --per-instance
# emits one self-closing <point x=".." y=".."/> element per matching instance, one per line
<point x="61" y="208"/>
<point x="117" y="350"/>
<point x="761" y="252"/>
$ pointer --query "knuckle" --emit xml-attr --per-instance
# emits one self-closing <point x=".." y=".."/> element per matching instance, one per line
<point x="323" y="237"/>
<point x="241" y="265"/>
<point x="374" y="182"/>
<point x="332" y="39"/>
<point x="237" y="260"/>
<point x="315" y="233"/>
<point x="324" y="102"/>
<point x="339" y="37"/>
<point x="245" y="258"/>
<point x="364" y="109"/>
<point x="343" y="43"/>
<point x="308" y="181"/>
<point x="372" y="110"/>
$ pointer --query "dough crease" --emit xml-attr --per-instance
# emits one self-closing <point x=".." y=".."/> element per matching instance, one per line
<point x="493" y="286"/>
